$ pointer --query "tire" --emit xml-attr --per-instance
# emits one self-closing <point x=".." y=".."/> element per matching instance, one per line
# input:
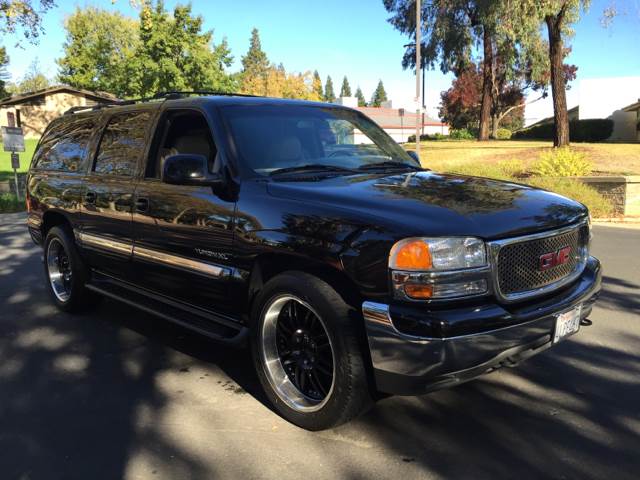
<point x="292" y="363"/>
<point x="66" y="274"/>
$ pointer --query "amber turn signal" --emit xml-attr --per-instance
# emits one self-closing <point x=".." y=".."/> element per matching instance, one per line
<point x="414" y="290"/>
<point x="411" y="255"/>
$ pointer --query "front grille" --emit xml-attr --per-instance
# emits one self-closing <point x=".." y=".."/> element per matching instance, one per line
<point x="518" y="265"/>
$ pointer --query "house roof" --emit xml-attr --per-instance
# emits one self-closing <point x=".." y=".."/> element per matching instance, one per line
<point x="633" y="107"/>
<point x="550" y="119"/>
<point x="390" y="118"/>
<point x="98" y="96"/>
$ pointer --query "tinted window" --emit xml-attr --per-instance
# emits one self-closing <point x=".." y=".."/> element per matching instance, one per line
<point x="122" y="143"/>
<point x="65" y="146"/>
<point x="270" y="138"/>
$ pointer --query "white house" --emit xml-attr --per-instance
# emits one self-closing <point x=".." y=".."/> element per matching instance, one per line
<point x="609" y="98"/>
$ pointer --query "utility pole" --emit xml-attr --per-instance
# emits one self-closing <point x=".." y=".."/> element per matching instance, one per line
<point x="418" y="96"/>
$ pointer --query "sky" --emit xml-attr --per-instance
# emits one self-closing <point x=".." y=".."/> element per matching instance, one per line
<point x="353" y="38"/>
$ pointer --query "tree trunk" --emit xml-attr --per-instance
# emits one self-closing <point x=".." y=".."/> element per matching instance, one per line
<point x="558" y="84"/>
<point x="495" y="124"/>
<point x="485" y="106"/>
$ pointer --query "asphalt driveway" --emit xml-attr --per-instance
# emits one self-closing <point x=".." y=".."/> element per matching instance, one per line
<point x="120" y="394"/>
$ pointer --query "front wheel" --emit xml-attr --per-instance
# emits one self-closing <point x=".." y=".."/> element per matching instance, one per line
<point x="307" y="352"/>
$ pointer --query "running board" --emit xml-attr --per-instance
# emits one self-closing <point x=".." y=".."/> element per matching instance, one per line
<point x="208" y="324"/>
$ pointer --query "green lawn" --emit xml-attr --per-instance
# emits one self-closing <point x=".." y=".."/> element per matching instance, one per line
<point x="615" y="158"/>
<point x="6" y="172"/>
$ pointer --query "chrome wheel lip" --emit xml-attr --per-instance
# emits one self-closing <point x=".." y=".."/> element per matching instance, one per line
<point x="58" y="278"/>
<point x="274" y="370"/>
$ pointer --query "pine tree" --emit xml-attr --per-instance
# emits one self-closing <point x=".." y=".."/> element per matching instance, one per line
<point x="329" y="94"/>
<point x="255" y="67"/>
<point x="317" y="86"/>
<point x="379" y="95"/>
<point x="362" y="102"/>
<point x="345" y="91"/>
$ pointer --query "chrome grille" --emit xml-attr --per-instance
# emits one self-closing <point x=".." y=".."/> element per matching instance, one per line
<point x="518" y="263"/>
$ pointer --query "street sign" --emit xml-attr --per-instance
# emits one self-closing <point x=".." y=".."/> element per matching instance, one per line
<point x="401" y="112"/>
<point x="15" y="161"/>
<point x="13" y="139"/>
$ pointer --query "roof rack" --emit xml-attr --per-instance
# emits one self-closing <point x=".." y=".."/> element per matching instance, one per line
<point x="170" y="95"/>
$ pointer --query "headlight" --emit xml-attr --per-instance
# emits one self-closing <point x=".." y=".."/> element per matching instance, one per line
<point x="424" y="254"/>
<point x="426" y="268"/>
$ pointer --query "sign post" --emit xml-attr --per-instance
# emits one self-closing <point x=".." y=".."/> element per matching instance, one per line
<point x="13" y="141"/>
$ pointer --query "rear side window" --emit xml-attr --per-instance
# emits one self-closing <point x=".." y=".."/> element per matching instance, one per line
<point x="65" y="146"/>
<point x="122" y="144"/>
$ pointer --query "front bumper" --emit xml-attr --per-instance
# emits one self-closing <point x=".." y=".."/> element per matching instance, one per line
<point x="467" y="341"/>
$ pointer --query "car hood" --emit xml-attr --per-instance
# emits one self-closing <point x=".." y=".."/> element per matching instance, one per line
<point x="428" y="203"/>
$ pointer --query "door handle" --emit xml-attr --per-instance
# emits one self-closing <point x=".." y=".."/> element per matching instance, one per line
<point x="90" y="197"/>
<point x="142" y="204"/>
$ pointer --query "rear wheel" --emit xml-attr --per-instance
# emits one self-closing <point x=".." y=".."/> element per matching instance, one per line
<point x="307" y="353"/>
<point x="66" y="272"/>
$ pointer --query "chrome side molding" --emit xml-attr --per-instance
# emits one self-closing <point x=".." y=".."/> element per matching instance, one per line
<point x="182" y="263"/>
<point x="152" y="256"/>
<point x="103" y="243"/>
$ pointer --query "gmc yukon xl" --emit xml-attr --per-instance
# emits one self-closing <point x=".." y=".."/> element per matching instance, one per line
<point x="303" y="230"/>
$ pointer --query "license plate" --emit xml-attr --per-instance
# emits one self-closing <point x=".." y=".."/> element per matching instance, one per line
<point x="567" y="324"/>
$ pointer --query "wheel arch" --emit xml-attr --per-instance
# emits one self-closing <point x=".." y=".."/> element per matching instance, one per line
<point x="53" y="218"/>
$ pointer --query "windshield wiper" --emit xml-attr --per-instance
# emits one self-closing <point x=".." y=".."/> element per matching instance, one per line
<point x="314" y="167"/>
<point x="388" y="165"/>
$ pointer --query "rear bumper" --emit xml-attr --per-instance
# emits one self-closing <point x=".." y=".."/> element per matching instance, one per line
<point x="468" y="341"/>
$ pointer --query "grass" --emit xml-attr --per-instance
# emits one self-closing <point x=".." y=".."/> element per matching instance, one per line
<point x="6" y="172"/>
<point x="607" y="158"/>
<point x="10" y="204"/>
<point x="519" y="161"/>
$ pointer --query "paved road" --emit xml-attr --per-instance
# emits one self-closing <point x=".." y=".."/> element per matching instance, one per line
<point x="120" y="394"/>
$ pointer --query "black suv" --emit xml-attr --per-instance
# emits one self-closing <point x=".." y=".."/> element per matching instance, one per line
<point x="304" y="228"/>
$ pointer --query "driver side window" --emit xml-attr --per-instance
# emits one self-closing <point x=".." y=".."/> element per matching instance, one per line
<point x="182" y="132"/>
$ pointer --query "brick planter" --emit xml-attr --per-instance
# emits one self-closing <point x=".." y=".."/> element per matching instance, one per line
<point x="622" y="191"/>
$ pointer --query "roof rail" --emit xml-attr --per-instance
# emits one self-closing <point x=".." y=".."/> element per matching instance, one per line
<point x="170" y="95"/>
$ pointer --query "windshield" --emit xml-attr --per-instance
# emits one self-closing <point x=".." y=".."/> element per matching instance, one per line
<point x="273" y="138"/>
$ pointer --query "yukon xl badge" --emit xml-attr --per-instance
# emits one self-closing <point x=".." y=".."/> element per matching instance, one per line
<point x="211" y="254"/>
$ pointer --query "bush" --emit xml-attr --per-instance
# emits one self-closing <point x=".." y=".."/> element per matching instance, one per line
<point x="503" y="134"/>
<point x="10" y="204"/>
<point x="562" y="162"/>
<point x="504" y="170"/>
<point x="598" y="206"/>
<point x="462" y="134"/>
<point x="426" y="137"/>
<point x="592" y="130"/>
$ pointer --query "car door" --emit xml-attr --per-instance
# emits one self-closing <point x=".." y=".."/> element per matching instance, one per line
<point x="183" y="234"/>
<point x="107" y="207"/>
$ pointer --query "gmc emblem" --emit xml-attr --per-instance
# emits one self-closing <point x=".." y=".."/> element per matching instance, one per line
<point x="553" y="259"/>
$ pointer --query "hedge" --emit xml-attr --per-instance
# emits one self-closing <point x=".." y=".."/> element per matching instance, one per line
<point x="592" y="130"/>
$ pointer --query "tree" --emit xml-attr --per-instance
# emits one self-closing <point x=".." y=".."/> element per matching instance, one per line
<point x="99" y="47"/>
<point x="255" y="67"/>
<point x="4" y="73"/>
<point x="362" y="102"/>
<point x="379" y="95"/>
<point x="460" y="105"/>
<point x="317" y="85"/>
<point x="329" y="94"/>
<point x="345" y="91"/>
<point x="25" y="15"/>
<point x="523" y="20"/>
<point x="175" y="54"/>
<point x="32" y="81"/>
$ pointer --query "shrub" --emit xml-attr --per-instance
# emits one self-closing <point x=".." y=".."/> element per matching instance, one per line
<point x="504" y="170"/>
<point x="503" y="134"/>
<point x="461" y="134"/>
<point x="562" y="162"/>
<point x="9" y="203"/>
<point x="425" y="137"/>
<point x="598" y="205"/>
<point x="592" y="130"/>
